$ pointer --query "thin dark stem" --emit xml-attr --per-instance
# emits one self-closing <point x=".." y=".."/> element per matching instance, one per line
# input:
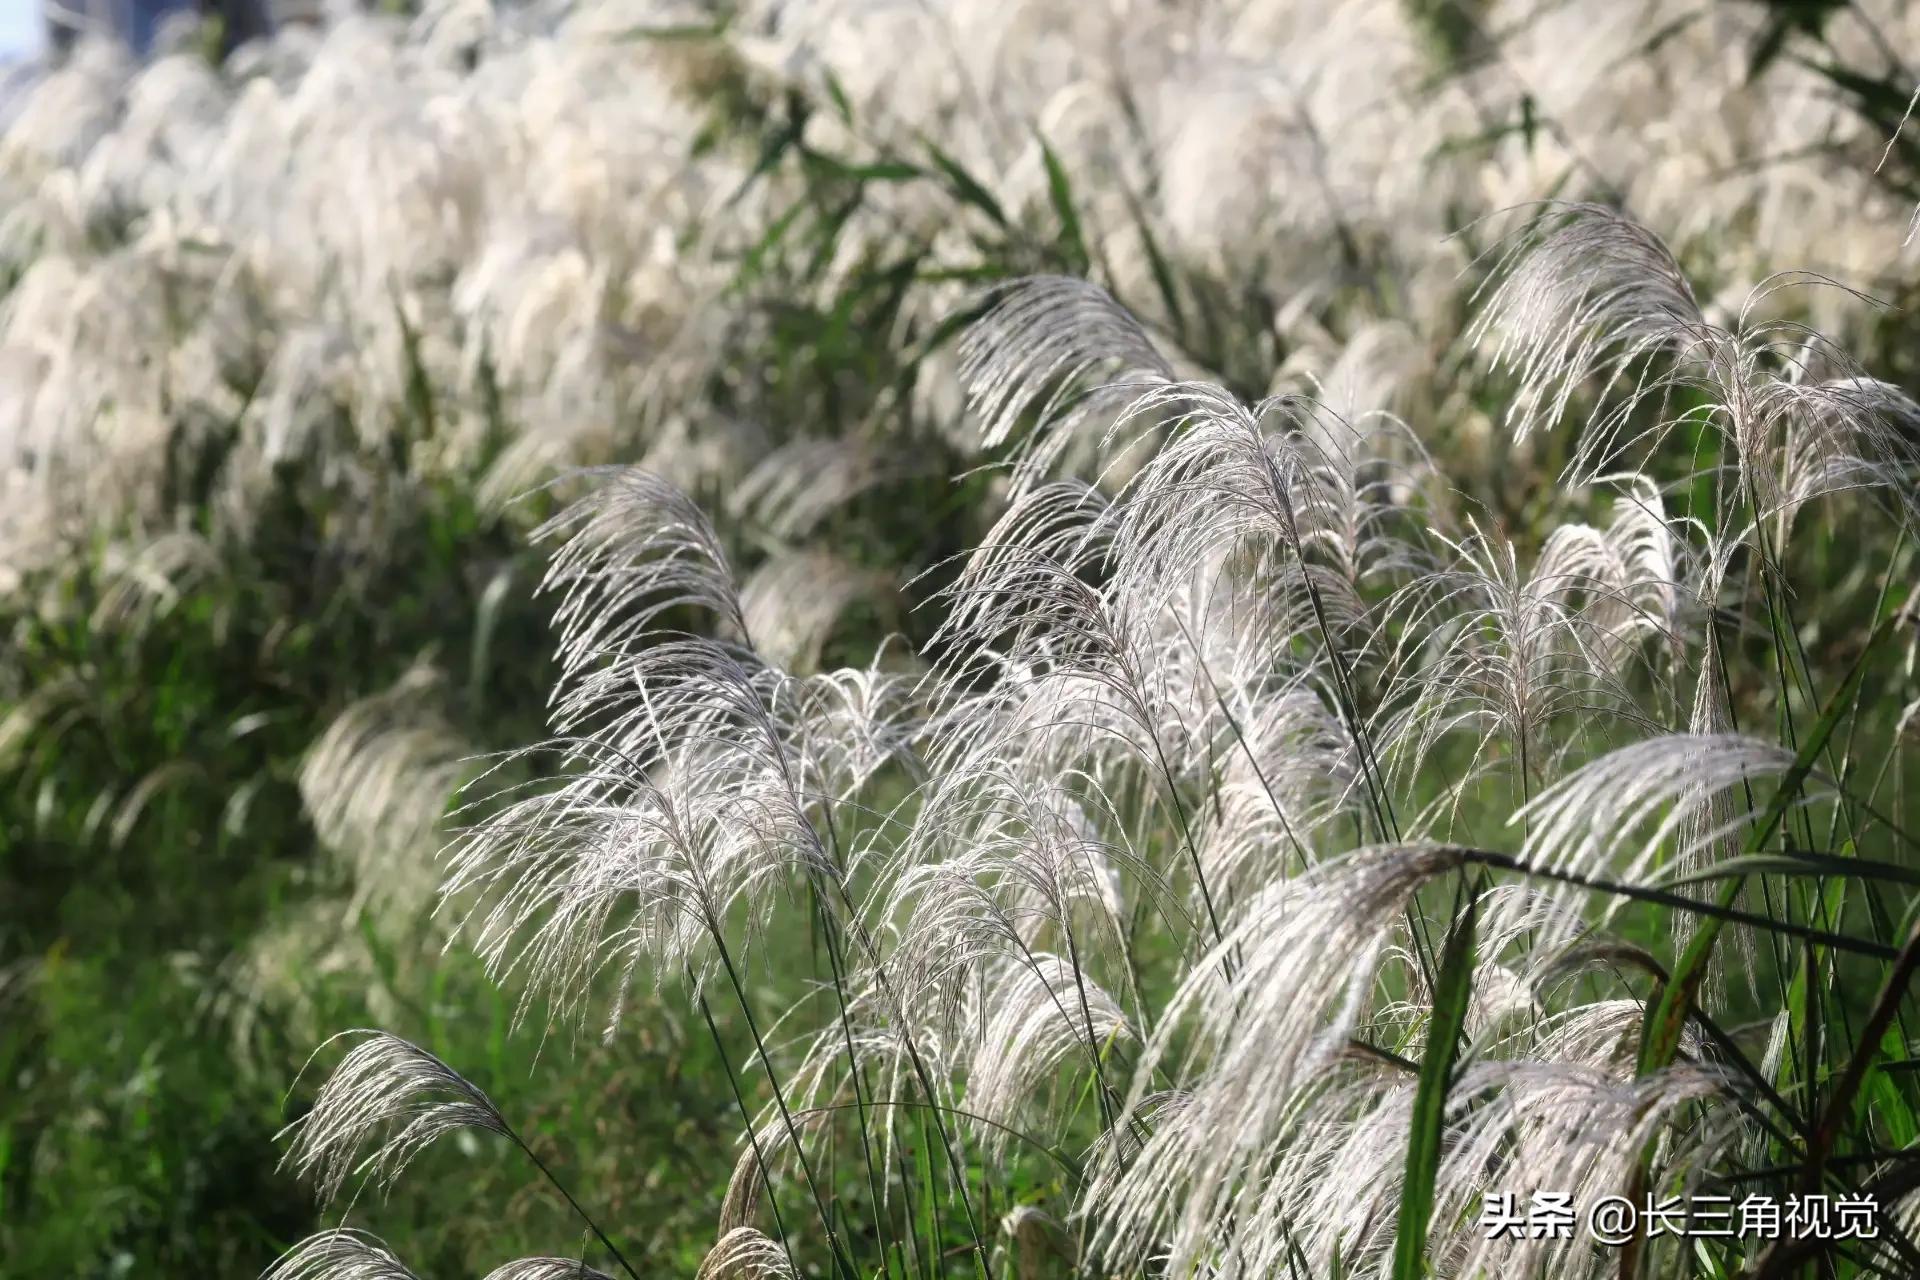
<point x="746" y="1116"/>
<point x="780" y="1101"/>
<point x="1642" y="893"/>
<point x="567" y="1195"/>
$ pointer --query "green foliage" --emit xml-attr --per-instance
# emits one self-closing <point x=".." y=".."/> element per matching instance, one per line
<point x="1450" y="1000"/>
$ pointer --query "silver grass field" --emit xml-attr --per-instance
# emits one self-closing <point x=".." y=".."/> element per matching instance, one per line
<point x="900" y="638"/>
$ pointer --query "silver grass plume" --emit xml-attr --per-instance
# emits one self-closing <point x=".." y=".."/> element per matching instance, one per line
<point x="1506" y="654"/>
<point x="341" y="1254"/>
<point x="148" y="580"/>
<point x="1025" y="1017"/>
<point x="1226" y="481"/>
<point x="1318" y="936"/>
<point x="1639" y="815"/>
<point x="545" y="1269"/>
<point x="1586" y="292"/>
<point x="745" y="1254"/>
<point x="613" y="876"/>
<point x="789" y="605"/>
<point x="769" y="1153"/>
<point x="1034" y="352"/>
<point x="1594" y="296"/>
<point x="635" y="547"/>
<point x="694" y="771"/>
<point x="1549" y="1126"/>
<point x="794" y="487"/>
<point x="383" y="1104"/>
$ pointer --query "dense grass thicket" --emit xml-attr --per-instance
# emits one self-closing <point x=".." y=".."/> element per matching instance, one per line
<point x="889" y="638"/>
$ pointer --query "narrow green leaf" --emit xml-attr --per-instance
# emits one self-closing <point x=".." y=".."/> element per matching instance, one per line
<point x="1162" y="270"/>
<point x="1453" y="991"/>
<point x="1666" y="1017"/>
<point x="1060" y="191"/>
<point x="966" y="186"/>
<point x="755" y="258"/>
<point x="419" y="389"/>
<point x="673" y="33"/>
<point x="773" y="148"/>
<point x="869" y="171"/>
<point x="838" y="92"/>
<point x="1799" y="863"/>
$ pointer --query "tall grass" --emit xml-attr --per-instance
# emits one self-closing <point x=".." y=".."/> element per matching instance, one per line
<point x="1145" y="680"/>
<point x="1271" y="862"/>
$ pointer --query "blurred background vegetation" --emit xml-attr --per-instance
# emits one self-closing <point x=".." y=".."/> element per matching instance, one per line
<point x="186" y="914"/>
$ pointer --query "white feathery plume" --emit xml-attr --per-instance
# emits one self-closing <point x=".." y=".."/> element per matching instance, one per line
<point x="687" y="808"/>
<point x="1006" y="593"/>
<point x="147" y="581"/>
<point x="1596" y="296"/>
<point x="1638" y="572"/>
<point x="341" y="1254"/>
<point x="745" y="1254"/>
<point x="1227" y="482"/>
<point x="1342" y="1134"/>
<point x="1634" y="816"/>
<point x="635" y="548"/>
<point x="1033" y="353"/>
<point x="1027" y="1016"/>
<point x="1507" y="653"/>
<point x="607" y="874"/>
<point x="1319" y="937"/>
<point x="1587" y="293"/>
<point x="546" y="1269"/>
<point x="1084" y="657"/>
<point x="1549" y="1126"/>
<point x="385" y="1102"/>
<point x="1288" y="773"/>
<point x="1602" y="1034"/>
<point x="1847" y="434"/>
<point x="841" y="726"/>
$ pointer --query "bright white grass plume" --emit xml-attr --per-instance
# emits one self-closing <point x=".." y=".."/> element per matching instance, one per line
<point x="1524" y="651"/>
<point x="745" y="1254"/>
<point x="383" y="1104"/>
<point x="545" y="1269"/>
<point x="797" y="485"/>
<point x="1594" y="297"/>
<point x="1319" y="937"/>
<point x="1634" y="814"/>
<point x="635" y="548"/>
<point x="340" y="1255"/>
<point x="346" y="1254"/>
<point x="193" y="196"/>
<point x="1050" y="337"/>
